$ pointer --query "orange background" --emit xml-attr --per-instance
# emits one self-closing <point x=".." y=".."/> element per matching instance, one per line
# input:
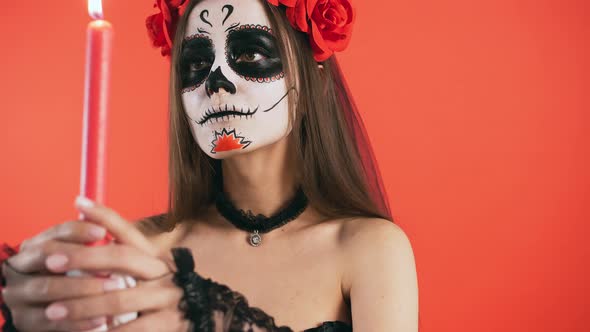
<point x="478" y="112"/>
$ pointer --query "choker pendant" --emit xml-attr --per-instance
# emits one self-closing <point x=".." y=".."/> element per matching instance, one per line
<point x="255" y="239"/>
<point x="256" y="225"/>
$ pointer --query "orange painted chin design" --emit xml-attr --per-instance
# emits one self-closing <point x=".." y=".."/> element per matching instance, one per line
<point x="228" y="141"/>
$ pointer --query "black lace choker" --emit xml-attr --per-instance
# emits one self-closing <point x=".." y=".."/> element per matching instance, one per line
<point x="260" y="224"/>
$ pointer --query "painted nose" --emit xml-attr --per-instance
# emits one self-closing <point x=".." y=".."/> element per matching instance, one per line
<point x="218" y="81"/>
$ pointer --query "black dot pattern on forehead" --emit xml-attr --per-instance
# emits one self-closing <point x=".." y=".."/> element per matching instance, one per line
<point x="272" y="75"/>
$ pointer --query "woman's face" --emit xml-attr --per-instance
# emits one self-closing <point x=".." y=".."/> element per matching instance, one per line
<point x="233" y="86"/>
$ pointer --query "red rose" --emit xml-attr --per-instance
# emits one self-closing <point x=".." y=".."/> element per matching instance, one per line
<point x="288" y="3"/>
<point x="162" y="26"/>
<point x="297" y="15"/>
<point x="328" y="23"/>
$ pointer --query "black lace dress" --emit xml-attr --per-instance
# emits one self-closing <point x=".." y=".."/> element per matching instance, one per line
<point x="214" y="307"/>
<point x="229" y="311"/>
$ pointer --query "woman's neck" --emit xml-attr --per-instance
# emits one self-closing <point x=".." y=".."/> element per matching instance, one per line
<point x="263" y="180"/>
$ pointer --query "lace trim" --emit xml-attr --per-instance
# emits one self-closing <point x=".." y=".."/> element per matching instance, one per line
<point x="333" y="326"/>
<point x="6" y="252"/>
<point x="216" y="299"/>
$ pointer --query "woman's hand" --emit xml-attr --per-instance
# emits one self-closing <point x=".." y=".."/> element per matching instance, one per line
<point x="30" y="286"/>
<point x="76" y="300"/>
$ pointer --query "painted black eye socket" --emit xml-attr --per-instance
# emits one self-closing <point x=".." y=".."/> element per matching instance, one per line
<point x="253" y="53"/>
<point x="197" y="57"/>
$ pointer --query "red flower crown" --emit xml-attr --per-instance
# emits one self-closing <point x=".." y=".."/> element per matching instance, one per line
<point x="327" y="22"/>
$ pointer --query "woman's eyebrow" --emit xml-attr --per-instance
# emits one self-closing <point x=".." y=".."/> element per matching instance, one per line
<point x="232" y="27"/>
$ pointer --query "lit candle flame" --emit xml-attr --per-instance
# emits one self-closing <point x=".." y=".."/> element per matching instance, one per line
<point x="95" y="9"/>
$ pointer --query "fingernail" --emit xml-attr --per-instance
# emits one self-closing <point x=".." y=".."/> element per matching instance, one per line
<point x="97" y="232"/>
<point x="56" y="262"/>
<point x="129" y="281"/>
<point x="56" y="311"/>
<point x="113" y="284"/>
<point x="98" y="321"/>
<point x="84" y="202"/>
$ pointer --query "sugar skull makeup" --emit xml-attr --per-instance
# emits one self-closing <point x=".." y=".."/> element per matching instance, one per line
<point x="233" y="87"/>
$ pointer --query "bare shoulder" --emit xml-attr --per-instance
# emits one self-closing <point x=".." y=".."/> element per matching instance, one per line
<point x="379" y="276"/>
<point x="373" y="236"/>
<point x="159" y="232"/>
<point x="355" y="231"/>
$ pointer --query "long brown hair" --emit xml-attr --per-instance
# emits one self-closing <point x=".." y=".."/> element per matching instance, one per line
<point x="338" y="172"/>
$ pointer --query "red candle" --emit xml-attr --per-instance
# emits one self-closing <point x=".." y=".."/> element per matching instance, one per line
<point x="99" y="44"/>
<point x="96" y="98"/>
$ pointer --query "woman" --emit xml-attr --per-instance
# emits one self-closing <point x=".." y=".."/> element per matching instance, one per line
<point x="261" y="121"/>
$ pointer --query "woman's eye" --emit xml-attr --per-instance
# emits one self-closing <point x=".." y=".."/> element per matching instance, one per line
<point x="250" y="57"/>
<point x="198" y="65"/>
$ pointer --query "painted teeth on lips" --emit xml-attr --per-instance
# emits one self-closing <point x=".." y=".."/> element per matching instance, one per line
<point x="225" y="113"/>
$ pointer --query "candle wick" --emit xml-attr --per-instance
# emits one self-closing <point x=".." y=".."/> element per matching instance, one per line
<point x="96" y="16"/>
